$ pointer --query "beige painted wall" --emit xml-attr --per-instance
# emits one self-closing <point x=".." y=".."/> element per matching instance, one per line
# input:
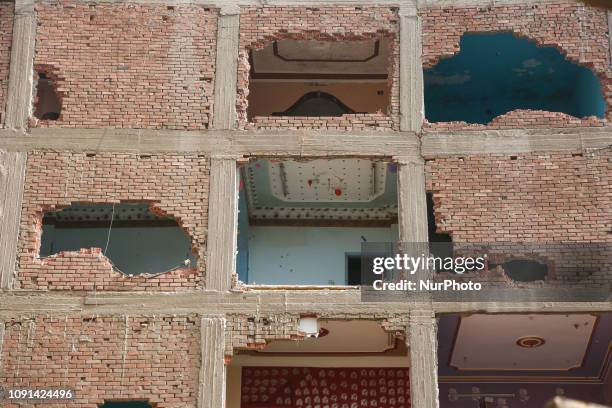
<point x="268" y="97"/>
<point x="233" y="386"/>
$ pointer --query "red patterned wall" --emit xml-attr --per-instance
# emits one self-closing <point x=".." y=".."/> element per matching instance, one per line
<point x="275" y="387"/>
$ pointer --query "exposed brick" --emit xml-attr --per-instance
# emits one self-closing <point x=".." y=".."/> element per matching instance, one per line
<point x="129" y="65"/>
<point x="153" y="358"/>
<point x="6" y="38"/>
<point x="578" y="31"/>
<point x="259" y="26"/>
<point x="175" y="185"/>
<point x="538" y="198"/>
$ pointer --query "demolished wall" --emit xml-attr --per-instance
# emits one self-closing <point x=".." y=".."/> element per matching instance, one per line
<point x="175" y="185"/>
<point x="262" y="25"/>
<point x="129" y="65"/>
<point x="155" y="358"/>
<point x="539" y="198"/>
<point x="578" y="31"/>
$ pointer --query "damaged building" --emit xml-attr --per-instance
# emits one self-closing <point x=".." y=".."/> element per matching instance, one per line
<point x="187" y="189"/>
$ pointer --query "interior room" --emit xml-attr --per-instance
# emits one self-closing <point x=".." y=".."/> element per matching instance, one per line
<point x="518" y="74"/>
<point x="319" y="78"/>
<point x="302" y="222"/>
<point x="340" y="363"/>
<point x="523" y="360"/>
<point x="130" y="235"/>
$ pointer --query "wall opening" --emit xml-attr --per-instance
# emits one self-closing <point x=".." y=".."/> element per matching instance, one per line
<point x="309" y="78"/>
<point x="525" y="270"/>
<point x="47" y="105"/>
<point x="518" y="74"/>
<point x="134" y="238"/>
<point x="352" y="363"/>
<point x="302" y="222"/>
<point x="523" y="359"/>
<point x="440" y="244"/>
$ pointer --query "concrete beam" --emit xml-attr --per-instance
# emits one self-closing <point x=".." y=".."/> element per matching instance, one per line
<point x="12" y="174"/>
<point x="211" y="390"/>
<point x="411" y="70"/>
<point x="222" y="224"/>
<point x="435" y="144"/>
<point x="222" y="142"/>
<point x="422" y="340"/>
<point x="325" y="302"/>
<point x="226" y="73"/>
<point x="19" y="98"/>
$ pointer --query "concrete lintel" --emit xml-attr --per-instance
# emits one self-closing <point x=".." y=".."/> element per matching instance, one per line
<point x="411" y="70"/>
<point x="422" y="340"/>
<point x="211" y="388"/>
<point x="12" y="174"/>
<point x="226" y="73"/>
<point x="19" y="97"/>
<point x="514" y="141"/>
<point x="222" y="224"/>
<point x="327" y="302"/>
<point x="219" y="142"/>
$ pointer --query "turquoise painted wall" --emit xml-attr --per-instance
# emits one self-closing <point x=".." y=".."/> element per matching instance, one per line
<point x="496" y="73"/>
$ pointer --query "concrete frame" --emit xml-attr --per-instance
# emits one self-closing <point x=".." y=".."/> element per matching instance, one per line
<point x="226" y="146"/>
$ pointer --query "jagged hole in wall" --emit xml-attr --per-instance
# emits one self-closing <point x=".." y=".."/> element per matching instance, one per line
<point x="303" y="222"/>
<point x="48" y="104"/>
<point x="496" y="73"/>
<point x="134" y="238"/>
<point x="319" y="78"/>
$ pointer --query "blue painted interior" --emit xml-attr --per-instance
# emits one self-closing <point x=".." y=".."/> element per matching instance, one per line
<point x="242" y="257"/>
<point x="496" y="73"/>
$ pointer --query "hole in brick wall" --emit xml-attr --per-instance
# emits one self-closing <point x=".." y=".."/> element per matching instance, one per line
<point x="517" y="74"/>
<point x="48" y="105"/>
<point x="126" y="404"/>
<point x="524" y="270"/>
<point x="135" y="239"/>
<point x="302" y="222"/>
<point x="319" y="78"/>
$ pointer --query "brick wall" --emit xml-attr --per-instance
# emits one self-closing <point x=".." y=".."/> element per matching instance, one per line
<point x="153" y="358"/>
<point x="129" y="65"/>
<point x="262" y="25"/>
<point x="577" y="31"/>
<point x="6" y="38"/>
<point x="175" y="185"/>
<point x="534" y="197"/>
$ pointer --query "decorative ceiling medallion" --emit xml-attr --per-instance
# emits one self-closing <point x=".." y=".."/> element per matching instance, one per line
<point x="530" y="342"/>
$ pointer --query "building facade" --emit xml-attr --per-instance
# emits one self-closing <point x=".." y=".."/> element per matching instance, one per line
<point x="186" y="188"/>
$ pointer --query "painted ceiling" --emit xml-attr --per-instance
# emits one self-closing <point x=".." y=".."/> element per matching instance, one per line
<point x="524" y="347"/>
<point x="349" y="189"/>
<point x="299" y="57"/>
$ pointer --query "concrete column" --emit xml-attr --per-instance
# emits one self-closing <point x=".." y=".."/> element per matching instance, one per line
<point x="422" y="340"/>
<point x="412" y="200"/>
<point x="411" y="69"/>
<point x="211" y="391"/>
<point x="19" y="98"/>
<point x="610" y="33"/>
<point x="12" y="174"/>
<point x="222" y="223"/>
<point x="226" y="73"/>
